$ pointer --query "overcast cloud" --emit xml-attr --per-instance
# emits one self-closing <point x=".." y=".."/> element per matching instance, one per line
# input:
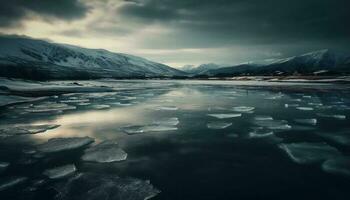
<point x="179" y="32"/>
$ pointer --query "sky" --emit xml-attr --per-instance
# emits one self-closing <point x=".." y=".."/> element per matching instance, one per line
<point x="185" y="32"/>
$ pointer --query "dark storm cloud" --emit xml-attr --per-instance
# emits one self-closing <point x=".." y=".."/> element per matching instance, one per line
<point x="13" y="11"/>
<point x="247" y="21"/>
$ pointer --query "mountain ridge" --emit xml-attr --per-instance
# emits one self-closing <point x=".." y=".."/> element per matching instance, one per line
<point x="24" y="57"/>
<point x="308" y="63"/>
<point x="200" y="68"/>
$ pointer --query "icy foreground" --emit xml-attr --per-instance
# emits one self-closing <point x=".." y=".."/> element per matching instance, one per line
<point x="191" y="128"/>
<point x="105" y="187"/>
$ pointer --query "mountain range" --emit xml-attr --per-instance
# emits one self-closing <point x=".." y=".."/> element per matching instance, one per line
<point x="322" y="62"/>
<point x="191" y="69"/>
<point x="28" y="58"/>
<point x="23" y="57"/>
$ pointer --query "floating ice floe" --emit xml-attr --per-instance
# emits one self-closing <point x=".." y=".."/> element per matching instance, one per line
<point x="166" y="108"/>
<point x="341" y="137"/>
<point x="159" y="128"/>
<point x="279" y="96"/>
<point x="218" y="125"/>
<point x="341" y="117"/>
<point x="244" y="109"/>
<point x="21" y="129"/>
<point x="342" y="107"/>
<point x="337" y="102"/>
<point x="121" y="104"/>
<point x="274" y="124"/>
<point x="24" y="106"/>
<point x="291" y="105"/>
<point x="307" y="97"/>
<point x="105" y="187"/>
<point x="105" y="152"/>
<point x="315" y="104"/>
<point x="99" y="95"/>
<point x="264" y="134"/>
<point x="83" y="104"/>
<point x="296" y="100"/>
<point x="4" y="166"/>
<point x="225" y="116"/>
<point x="101" y="106"/>
<point x="7" y="183"/>
<point x="26" y="88"/>
<point x="38" y="182"/>
<point x="63" y="144"/>
<point x="325" y="107"/>
<point x="306" y="121"/>
<point x="172" y="121"/>
<point x="309" y="153"/>
<point x="263" y="118"/>
<point x="6" y="100"/>
<point x="260" y="134"/>
<point x="131" y="130"/>
<point x="129" y="98"/>
<point x="29" y="151"/>
<point x="50" y="107"/>
<point x="110" y="98"/>
<point x="339" y="165"/>
<point x="75" y="101"/>
<point x="60" y="172"/>
<point x="305" y="108"/>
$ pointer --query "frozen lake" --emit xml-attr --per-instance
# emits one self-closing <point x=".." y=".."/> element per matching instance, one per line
<point x="179" y="140"/>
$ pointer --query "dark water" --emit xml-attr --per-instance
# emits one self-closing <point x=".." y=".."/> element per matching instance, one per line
<point x="193" y="161"/>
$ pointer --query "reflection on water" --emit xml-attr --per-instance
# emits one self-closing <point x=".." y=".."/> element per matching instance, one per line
<point x="260" y="137"/>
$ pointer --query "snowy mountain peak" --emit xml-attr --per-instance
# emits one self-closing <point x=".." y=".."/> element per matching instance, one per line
<point x="25" y="57"/>
<point x="318" y="55"/>
<point x="323" y="60"/>
<point x="200" y="68"/>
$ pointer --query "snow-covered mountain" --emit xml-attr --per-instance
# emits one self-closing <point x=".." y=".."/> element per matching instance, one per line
<point x="187" y="68"/>
<point x="23" y="57"/>
<point x="200" y="68"/>
<point x="323" y="61"/>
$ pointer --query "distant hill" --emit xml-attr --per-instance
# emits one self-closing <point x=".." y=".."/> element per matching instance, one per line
<point x="191" y="69"/>
<point x="317" y="62"/>
<point x="22" y="57"/>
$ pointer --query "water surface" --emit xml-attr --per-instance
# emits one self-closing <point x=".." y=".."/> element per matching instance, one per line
<point x="192" y="139"/>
